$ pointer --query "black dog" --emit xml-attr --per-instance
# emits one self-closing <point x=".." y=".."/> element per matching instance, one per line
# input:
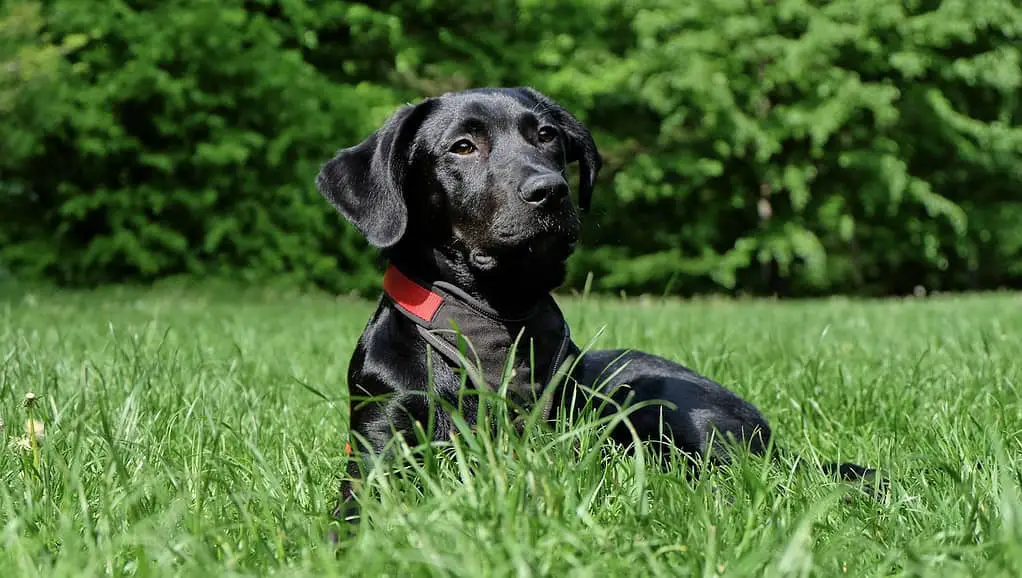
<point x="467" y="198"/>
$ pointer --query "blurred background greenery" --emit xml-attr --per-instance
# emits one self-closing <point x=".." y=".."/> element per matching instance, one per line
<point x="790" y="147"/>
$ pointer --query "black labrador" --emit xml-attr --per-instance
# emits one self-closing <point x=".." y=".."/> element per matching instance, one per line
<point x="467" y="198"/>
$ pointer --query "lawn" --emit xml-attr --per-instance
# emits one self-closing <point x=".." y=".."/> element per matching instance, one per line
<point x="199" y="432"/>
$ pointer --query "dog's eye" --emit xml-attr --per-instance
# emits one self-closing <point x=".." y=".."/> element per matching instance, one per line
<point x="547" y="134"/>
<point x="463" y="147"/>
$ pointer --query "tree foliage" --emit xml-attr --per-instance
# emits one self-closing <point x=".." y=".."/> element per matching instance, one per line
<point x="771" y="146"/>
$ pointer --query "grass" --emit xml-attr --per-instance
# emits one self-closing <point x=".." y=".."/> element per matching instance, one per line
<point x="199" y="432"/>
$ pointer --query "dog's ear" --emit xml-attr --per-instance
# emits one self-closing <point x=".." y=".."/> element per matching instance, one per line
<point x="581" y="147"/>
<point x="366" y="182"/>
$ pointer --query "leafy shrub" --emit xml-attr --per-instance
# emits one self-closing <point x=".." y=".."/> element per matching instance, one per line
<point x="793" y="146"/>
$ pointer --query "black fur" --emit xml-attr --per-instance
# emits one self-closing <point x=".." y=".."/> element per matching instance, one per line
<point x="471" y="188"/>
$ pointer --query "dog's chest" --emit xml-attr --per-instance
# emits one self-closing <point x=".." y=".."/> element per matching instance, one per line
<point x="521" y="354"/>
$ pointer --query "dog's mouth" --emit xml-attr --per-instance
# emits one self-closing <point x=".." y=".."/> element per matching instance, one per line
<point x="552" y="246"/>
<point x="539" y="249"/>
<point x="548" y="243"/>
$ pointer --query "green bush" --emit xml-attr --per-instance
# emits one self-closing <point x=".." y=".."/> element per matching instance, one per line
<point x="186" y="144"/>
<point x="813" y="147"/>
<point x="791" y="146"/>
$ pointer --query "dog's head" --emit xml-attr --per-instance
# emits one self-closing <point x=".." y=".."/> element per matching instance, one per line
<point x="477" y="178"/>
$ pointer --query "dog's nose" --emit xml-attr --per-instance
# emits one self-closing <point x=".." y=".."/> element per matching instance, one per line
<point x="543" y="189"/>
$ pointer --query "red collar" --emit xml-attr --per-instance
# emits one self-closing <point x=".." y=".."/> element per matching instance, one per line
<point x="411" y="296"/>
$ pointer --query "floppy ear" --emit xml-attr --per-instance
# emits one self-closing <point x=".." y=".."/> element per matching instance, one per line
<point x="581" y="147"/>
<point x="366" y="182"/>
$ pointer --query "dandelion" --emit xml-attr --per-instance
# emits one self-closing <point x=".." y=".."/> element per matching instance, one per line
<point x="21" y="444"/>
<point x="35" y="429"/>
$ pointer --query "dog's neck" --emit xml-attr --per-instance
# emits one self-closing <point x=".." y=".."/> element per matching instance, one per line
<point x="510" y="294"/>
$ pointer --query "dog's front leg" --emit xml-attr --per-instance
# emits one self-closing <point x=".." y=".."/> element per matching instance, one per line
<point x="374" y="427"/>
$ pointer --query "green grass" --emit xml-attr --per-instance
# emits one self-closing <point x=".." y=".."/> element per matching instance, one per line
<point x="197" y="432"/>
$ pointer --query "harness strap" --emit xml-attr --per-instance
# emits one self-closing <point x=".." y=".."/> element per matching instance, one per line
<point x="475" y="339"/>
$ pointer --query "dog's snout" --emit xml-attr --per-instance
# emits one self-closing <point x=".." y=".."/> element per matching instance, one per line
<point x="542" y="189"/>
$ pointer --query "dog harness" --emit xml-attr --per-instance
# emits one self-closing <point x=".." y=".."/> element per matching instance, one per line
<point x="473" y="338"/>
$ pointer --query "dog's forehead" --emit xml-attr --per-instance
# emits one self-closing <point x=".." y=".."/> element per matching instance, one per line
<point x="494" y="110"/>
<point x="492" y="105"/>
